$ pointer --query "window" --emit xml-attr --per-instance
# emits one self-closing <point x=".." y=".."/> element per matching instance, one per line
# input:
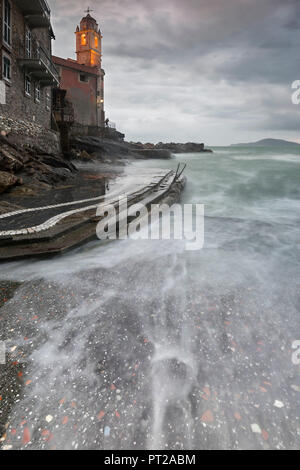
<point x="96" y="42"/>
<point x="7" y="22"/>
<point x="37" y="92"/>
<point x="6" y="67"/>
<point x="83" y="40"/>
<point x="28" y="43"/>
<point x="27" y="85"/>
<point x="83" y="77"/>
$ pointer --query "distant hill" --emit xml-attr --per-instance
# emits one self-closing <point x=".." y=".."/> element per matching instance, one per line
<point x="269" y="143"/>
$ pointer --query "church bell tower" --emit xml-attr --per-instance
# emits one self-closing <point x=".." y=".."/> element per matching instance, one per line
<point x="89" y="42"/>
<point x="89" y="53"/>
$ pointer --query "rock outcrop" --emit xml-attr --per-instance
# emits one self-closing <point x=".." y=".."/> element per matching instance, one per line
<point x="86" y="148"/>
<point x="100" y="149"/>
<point x="31" y="166"/>
<point x="9" y="160"/>
<point x="189" y="147"/>
<point x="7" y="180"/>
<point x="153" y="153"/>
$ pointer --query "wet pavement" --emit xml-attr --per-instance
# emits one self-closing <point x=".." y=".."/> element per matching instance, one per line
<point x="92" y="190"/>
<point x="87" y="183"/>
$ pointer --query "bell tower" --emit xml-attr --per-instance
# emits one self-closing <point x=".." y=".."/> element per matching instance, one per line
<point x="89" y="42"/>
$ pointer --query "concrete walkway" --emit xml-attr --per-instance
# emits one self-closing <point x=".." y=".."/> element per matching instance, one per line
<point x="54" y="229"/>
<point x="38" y="219"/>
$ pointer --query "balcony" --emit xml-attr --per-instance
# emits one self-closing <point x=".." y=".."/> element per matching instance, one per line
<point x="36" y="12"/>
<point x="40" y="67"/>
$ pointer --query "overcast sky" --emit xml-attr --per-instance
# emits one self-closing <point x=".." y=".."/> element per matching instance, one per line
<point x="213" y="71"/>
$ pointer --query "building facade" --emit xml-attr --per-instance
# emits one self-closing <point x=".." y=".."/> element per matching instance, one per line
<point x="27" y="73"/>
<point x="83" y="79"/>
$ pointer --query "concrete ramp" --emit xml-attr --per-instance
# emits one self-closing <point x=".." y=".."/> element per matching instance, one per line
<point x="56" y="228"/>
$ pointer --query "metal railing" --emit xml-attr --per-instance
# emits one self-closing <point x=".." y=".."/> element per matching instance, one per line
<point x="37" y="52"/>
<point x="42" y="55"/>
<point x="64" y="115"/>
<point x="45" y="6"/>
<point x="111" y="125"/>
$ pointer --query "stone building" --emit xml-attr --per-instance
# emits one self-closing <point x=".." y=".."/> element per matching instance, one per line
<point x="27" y="73"/>
<point x="83" y="79"/>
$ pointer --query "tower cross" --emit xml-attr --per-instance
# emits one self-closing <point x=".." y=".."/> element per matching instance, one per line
<point x="88" y="10"/>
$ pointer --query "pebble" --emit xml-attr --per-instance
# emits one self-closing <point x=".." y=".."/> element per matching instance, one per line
<point x="256" y="428"/>
<point x="278" y="404"/>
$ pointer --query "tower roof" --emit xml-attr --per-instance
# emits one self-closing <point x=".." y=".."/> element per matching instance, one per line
<point x="88" y="22"/>
<point x="88" y="17"/>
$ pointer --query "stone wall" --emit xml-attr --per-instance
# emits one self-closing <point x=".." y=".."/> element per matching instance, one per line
<point x="81" y="130"/>
<point x="18" y="104"/>
<point x="30" y="134"/>
<point x="95" y="131"/>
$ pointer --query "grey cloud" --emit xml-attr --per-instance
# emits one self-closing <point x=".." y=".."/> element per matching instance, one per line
<point x="177" y="53"/>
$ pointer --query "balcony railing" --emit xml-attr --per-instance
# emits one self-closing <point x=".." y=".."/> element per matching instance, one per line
<point x="40" y="67"/>
<point x="111" y="125"/>
<point x="46" y="6"/>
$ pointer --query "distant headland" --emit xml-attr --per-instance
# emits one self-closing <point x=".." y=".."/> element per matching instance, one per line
<point x="269" y="143"/>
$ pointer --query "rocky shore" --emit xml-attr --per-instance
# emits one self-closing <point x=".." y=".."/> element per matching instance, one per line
<point x="172" y="147"/>
<point x="87" y="148"/>
<point x="25" y="169"/>
<point x="111" y="151"/>
<point x="29" y="174"/>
